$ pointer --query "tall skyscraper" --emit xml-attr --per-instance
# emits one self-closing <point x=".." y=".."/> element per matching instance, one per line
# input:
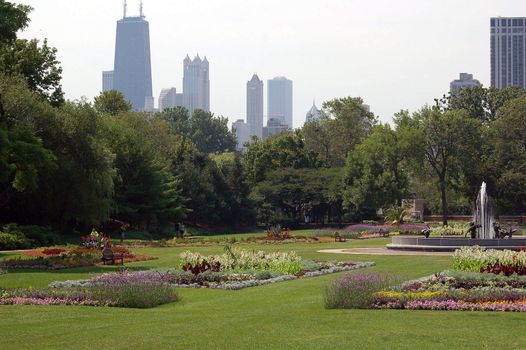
<point x="279" y="100"/>
<point x="255" y="106"/>
<point x="508" y="57"/>
<point x="196" y="84"/>
<point x="132" y="73"/>
<point x="465" y="80"/>
<point x="107" y="80"/>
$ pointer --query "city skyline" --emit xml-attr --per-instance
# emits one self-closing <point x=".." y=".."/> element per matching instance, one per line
<point x="337" y="58"/>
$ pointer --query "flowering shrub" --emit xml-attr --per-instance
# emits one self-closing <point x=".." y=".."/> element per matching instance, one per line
<point x="356" y="291"/>
<point x="490" y="260"/>
<point x="96" y="240"/>
<point x="134" y="289"/>
<point x="197" y="263"/>
<point x="240" y="259"/>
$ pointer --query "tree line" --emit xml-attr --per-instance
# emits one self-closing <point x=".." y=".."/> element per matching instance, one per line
<point x="75" y="164"/>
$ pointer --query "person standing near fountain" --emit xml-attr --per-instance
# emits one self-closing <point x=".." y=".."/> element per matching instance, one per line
<point x="472" y="230"/>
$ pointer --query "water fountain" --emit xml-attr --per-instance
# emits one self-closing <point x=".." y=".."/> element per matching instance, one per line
<point x="484" y="231"/>
<point x="483" y="215"/>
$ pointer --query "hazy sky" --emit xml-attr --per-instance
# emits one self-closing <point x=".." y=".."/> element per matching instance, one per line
<point x="394" y="54"/>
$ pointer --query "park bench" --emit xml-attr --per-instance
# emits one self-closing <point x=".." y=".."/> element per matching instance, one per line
<point x="109" y="256"/>
<point x="338" y="237"/>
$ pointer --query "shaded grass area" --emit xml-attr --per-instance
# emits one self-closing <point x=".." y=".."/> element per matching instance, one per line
<point x="287" y="315"/>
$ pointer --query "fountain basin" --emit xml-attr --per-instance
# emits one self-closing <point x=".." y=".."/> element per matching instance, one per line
<point x="453" y="243"/>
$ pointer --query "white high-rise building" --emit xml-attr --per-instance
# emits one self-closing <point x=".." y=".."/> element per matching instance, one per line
<point x="107" y="80"/>
<point x="196" y="84"/>
<point x="167" y="99"/>
<point x="242" y="132"/>
<point x="279" y="100"/>
<point x="465" y="80"/>
<point x="313" y="114"/>
<point x="508" y="51"/>
<point x="255" y="106"/>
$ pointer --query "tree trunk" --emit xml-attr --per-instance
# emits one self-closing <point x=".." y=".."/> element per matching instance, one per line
<point x="444" y="201"/>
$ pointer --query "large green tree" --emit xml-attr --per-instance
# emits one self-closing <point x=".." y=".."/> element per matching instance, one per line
<point x="480" y="102"/>
<point x="345" y="122"/>
<point x="36" y="62"/>
<point x="13" y="17"/>
<point x="376" y="173"/>
<point x="451" y="142"/>
<point x="111" y="102"/>
<point x="284" y="150"/>
<point x="289" y="196"/>
<point x="506" y="163"/>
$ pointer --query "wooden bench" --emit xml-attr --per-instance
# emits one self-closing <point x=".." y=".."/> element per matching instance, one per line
<point x="109" y="256"/>
<point x="338" y="237"/>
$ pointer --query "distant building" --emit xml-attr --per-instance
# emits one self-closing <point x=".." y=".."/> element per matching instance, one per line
<point x="179" y="100"/>
<point x="313" y="114"/>
<point x="167" y="99"/>
<point x="196" y="84"/>
<point x="255" y="106"/>
<point x="274" y="126"/>
<point x="107" y="80"/>
<point x="508" y="56"/>
<point x="149" y="104"/>
<point x="132" y="74"/>
<point x="279" y="100"/>
<point x="465" y="80"/>
<point x="242" y="132"/>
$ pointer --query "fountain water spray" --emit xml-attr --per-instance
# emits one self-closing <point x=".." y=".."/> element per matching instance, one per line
<point x="483" y="215"/>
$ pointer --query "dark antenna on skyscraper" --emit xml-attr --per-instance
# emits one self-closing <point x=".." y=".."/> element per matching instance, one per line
<point x="124" y="10"/>
<point x="140" y="10"/>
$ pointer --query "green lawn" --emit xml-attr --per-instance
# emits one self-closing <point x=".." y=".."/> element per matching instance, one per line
<point x="287" y="315"/>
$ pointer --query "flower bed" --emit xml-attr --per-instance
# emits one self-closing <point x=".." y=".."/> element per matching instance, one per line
<point x="63" y="258"/>
<point x="448" y="290"/>
<point x="231" y="280"/>
<point x="478" y="259"/>
<point x="241" y="259"/>
<point x="122" y="289"/>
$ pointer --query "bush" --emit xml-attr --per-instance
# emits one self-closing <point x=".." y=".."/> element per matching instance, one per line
<point x="41" y="236"/>
<point x="11" y="238"/>
<point x="134" y="289"/>
<point x="356" y="290"/>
